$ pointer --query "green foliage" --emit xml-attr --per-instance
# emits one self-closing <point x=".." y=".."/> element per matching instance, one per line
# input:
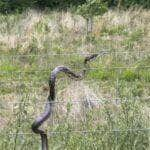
<point x="92" y="8"/>
<point x="100" y="74"/>
<point x="15" y="5"/>
<point x="116" y="30"/>
<point x="145" y="75"/>
<point x="129" y="3"/>
<point x="59" y="4"/>
<point x="136" y="35"/>
<point x="130" y="75"/>
<point x="137" y="90"/>
<point x="20" y="5"/>
<point x="96" y="6"/>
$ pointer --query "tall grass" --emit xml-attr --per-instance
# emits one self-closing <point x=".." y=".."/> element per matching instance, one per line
<point x="109" y="109"/>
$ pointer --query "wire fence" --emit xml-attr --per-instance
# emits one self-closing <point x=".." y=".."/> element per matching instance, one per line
<point x="108" y="111"/>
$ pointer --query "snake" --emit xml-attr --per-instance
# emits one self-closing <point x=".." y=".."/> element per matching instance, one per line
<point x="51" y="97"/>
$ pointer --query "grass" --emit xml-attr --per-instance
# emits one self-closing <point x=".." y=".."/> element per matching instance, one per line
<point x="33" y="43"/>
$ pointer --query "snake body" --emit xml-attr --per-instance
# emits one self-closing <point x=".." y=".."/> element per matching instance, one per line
<point x="49" y="104"/>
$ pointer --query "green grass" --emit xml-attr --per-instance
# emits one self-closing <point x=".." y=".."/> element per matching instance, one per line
<point x="117" y="30"/>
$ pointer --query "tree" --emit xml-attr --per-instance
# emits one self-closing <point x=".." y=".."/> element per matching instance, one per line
<point x="91" y="8"/>
<point x="7" y="6"/>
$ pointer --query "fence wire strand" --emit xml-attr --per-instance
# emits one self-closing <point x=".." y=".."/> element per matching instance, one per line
<point x="29" y="103"/>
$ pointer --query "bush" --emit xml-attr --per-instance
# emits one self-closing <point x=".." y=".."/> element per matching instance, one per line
<point x="92" y="8"/>
<point x="128" y="3"/>
<point x="130" y="75"/>
<point x="59" y="4"/>
<point x="7" y="6"/>
<point x="20" y="5"/>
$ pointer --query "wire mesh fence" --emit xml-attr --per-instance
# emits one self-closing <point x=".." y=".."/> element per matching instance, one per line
<point x="78" y="125"/>
<point x="109" y="109"/>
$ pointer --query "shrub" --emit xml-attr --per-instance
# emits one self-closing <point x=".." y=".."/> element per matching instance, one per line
<point x="20" y="5"/>
<point x="92" y="8"/>
<point x="129" y="3"/>
<point x="129" y="75"/>
<point x="7" y="6"/>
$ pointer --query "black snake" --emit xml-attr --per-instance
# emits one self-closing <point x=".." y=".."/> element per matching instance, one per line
<point x="49" y="104"/>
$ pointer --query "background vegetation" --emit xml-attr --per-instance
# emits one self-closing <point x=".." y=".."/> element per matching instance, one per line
<point x="33" y="43"/>
<point x="7" y="6"/>
<point x="110" y="108"/>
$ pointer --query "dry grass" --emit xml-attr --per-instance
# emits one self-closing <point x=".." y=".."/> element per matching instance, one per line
<point x="81" y="95"/>
<point x="40" y="28"/>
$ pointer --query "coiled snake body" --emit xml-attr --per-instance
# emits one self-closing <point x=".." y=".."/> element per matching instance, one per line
<point x="49" y="105"/>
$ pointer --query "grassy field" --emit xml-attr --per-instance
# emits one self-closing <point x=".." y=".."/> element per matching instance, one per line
<point x="108" y="110"/>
